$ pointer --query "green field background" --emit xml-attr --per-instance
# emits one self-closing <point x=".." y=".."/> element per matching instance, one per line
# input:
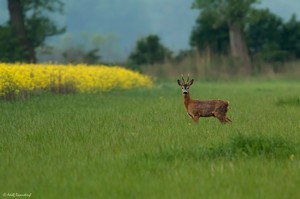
<point x="141" y="144"/>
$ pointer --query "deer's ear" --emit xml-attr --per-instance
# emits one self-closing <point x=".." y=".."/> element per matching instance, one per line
<point x="179" y="82"/>
<point x="191" y="82"/>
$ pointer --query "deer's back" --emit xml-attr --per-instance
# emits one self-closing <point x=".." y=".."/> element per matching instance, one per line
<point x="207" y="108"/>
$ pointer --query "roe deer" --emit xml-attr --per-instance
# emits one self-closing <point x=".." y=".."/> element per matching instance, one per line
<point x="203" y="108"/>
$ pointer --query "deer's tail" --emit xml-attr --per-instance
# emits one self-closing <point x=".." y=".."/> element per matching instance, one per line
<point x="226" y="107"/>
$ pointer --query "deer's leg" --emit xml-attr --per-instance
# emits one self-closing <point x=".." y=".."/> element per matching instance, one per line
<point x="196" y="119"/>
<point x="222" y="118"/>
<point x="190" y="115"/>
<point x="228" y="120"/>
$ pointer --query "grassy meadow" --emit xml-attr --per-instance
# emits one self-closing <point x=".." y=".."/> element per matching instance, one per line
<point x="140" y="143"/>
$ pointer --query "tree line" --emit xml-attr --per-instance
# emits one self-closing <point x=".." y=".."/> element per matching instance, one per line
<point x="237" y="29"/>
<point x="233" y="28"/>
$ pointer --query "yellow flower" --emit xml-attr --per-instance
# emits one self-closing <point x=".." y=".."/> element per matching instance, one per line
<point x="81" y="78"/>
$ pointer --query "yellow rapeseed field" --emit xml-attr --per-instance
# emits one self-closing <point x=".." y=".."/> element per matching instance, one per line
<point x="16" y="78"/>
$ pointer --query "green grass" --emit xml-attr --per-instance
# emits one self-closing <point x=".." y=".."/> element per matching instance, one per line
<point x="141" y="144"/>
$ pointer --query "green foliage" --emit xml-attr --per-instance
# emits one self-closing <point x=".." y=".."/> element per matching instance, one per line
<point x="239" y="146"/>
<point x="233" y="13"/>
<point x="254" y="146"/>
<point x="10" y="51"/>
<point x="264" y="33"/>
<point x="272" y="40"/>
<point x="212" y="25"/>
<point x="228" y="11"/>
<point x="38" y="26"/>
<point x="291" y="101"/>
<point x="40" y="6"/>
<point x="269" y="39"/>
<point x="149" y="50"/>
<point x="290" y="37"/>
<point x="209" y="34"/>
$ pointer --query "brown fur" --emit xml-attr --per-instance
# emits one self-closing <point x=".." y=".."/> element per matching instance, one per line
<point x="203" y="108"/>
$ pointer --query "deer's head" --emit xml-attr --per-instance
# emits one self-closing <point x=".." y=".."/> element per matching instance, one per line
<point x="185" y="85"/>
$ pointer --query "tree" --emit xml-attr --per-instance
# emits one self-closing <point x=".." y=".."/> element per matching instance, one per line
<point x="290" y="37"/>
<point x="234" y="13"/>
<point x="208" y="34"/>
<point x="9" y="45"/>
<point x="149" y="50"/>
<point x="17" y="22"/>
<point x="29" y="26"/>
<point x="263" y="33"/>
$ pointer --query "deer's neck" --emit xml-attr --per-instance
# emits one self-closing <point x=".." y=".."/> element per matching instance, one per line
<point x="186" y="100"/>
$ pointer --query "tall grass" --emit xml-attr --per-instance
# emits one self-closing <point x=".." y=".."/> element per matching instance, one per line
<point x="211" y="66"/>
<point x="141" y="144"/>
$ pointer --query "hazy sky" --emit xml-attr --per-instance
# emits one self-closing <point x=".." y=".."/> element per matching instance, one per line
<point x="127" y="20"/>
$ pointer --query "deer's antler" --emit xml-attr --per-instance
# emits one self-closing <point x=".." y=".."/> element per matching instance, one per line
<point x="182" y="78"/>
